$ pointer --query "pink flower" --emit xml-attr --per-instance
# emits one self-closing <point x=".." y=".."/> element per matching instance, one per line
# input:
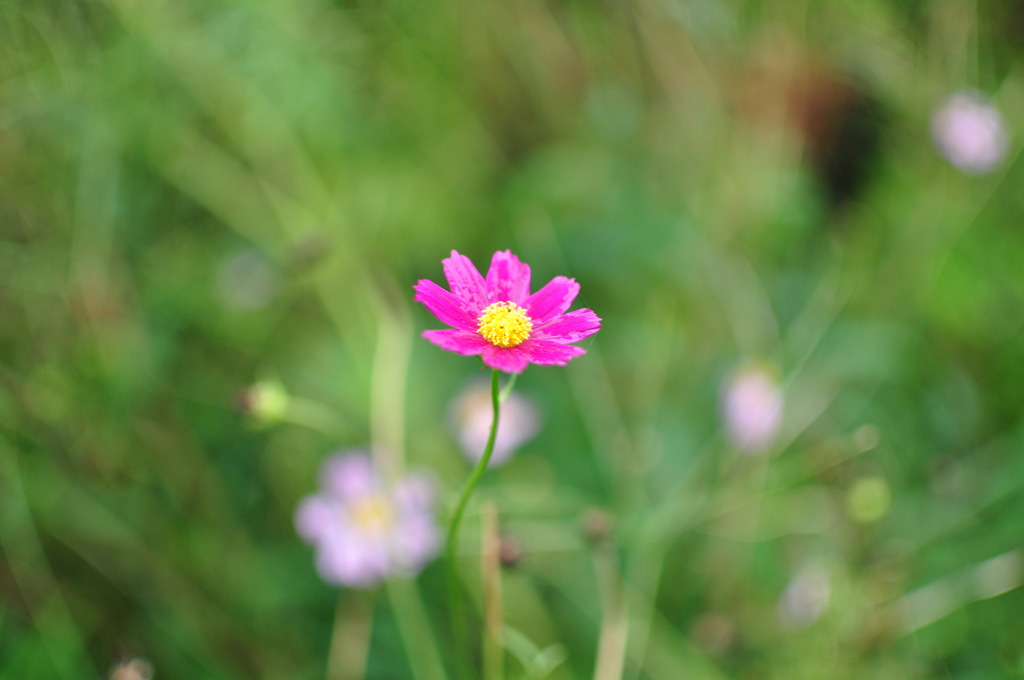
<point x="970" y="133"/>
<point x="498" y="318"/>
<point x="365" y="529"/>
<point x="752" y="405"/>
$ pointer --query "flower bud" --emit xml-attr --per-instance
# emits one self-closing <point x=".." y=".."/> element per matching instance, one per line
<point x="265" y="403"/>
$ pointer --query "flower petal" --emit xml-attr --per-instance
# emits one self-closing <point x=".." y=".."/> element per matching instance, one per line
<point x="348" y="476"/>
<point x="415" y="541"/>
<point x="508" y="279"/>
<point x="508" y="359"/>
<point x="552" y="299"/>
<point x="465" y="282"/>
<point x="351" y="559"/>
<point x="445" y="306"/>
<point x="315" y="516"/>
<point x="461" y="342"/>
<point x="549" y="352"/>
<point x="414" y="494"/>
<point x="571" y="327"/>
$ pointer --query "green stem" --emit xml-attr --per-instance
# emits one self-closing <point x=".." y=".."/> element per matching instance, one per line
<point x="459" y="637"/>
<point x="350" y="636"/>
<point x="414" y="627"/>
<point x="503" y="395"/>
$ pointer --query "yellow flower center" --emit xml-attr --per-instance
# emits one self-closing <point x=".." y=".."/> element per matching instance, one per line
<point x="372" y="514"/>
<point x="504" y="324"/>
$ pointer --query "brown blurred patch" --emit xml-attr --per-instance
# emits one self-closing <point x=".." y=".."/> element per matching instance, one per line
<point x="832" y="113"/>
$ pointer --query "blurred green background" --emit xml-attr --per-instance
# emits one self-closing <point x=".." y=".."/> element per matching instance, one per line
<point x="199" y="196"/>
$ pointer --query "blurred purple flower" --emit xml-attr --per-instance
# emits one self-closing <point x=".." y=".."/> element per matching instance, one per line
<point x="471" y="416"/>
<point x="752" y="408"/>
<point x="970" y="133"/>
<point x="365" y="529"/>
<point x="498" y="318"/>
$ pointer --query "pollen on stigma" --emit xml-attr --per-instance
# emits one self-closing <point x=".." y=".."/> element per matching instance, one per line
<point x="504" y="324"/>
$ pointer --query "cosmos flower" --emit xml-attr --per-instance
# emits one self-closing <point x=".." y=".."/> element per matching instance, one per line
<point x="471" y="415"/>
<point x="752" y="408"/>
<point x="970" y="133"/>
<point x="365" y="529"/>
<point x="498" y="318"/>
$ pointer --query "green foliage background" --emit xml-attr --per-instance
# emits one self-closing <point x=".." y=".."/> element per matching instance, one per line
<point x="728" y="181"/>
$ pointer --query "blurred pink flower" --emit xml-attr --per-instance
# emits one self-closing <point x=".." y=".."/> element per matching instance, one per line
<point x="752" y="408"/>
<point x="471" y="416"/>
<point x="970" y="133"/>
<point x="498" y="318"/>
<point x="364" y="529"/>
<point x="806" y="597"/>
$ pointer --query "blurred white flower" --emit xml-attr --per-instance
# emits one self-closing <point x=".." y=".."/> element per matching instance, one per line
<point x="470" y="419"/>
<point x="247" y="280"/>
<point x="132" y="669"/>
<point x="806" y="597"/>
<point x="970" y="133"/>
<point x="752" y="404"/>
